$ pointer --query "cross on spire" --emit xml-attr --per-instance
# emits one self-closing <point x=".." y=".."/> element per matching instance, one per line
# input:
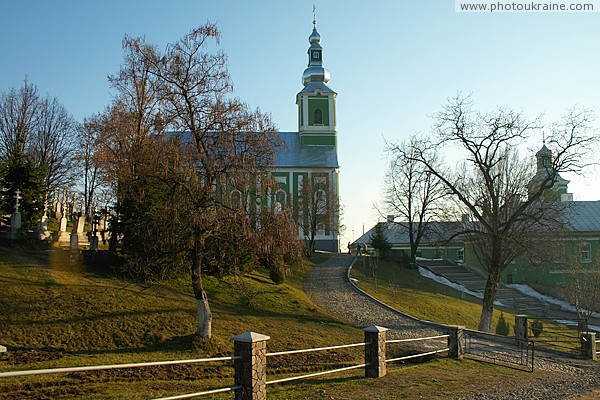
<point x="314" y="16"/>
<point x="543" y="137"/>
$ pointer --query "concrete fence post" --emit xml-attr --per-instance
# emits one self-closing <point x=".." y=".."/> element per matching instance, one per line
<point x="456" y="341"/>
<point x="521" y="330"/>
<point x="375" y="351"/>
<point x="588" y="345"/>
<point x="250" y="372"/>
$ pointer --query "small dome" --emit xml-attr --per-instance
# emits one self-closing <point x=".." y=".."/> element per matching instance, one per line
<point x="314" y="37"/>
<point x="315" y="73"/>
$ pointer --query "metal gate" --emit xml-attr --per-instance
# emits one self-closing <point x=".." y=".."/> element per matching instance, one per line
<point x="499" y="350"/>
<point x="558" y="336"/>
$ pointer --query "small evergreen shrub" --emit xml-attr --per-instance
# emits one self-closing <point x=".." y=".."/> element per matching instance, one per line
<point x="502" y="328"/>
<point x="537" y="327"/>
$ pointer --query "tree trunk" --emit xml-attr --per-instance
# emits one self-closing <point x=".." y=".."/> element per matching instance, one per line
<point x="489" y="294"/>
<point x="311" y="243"/>
<point x="204" y="329"/>
<point x="413" y="255"/>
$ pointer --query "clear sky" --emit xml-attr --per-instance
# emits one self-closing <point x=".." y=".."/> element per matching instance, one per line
<point x="393" y="64"/>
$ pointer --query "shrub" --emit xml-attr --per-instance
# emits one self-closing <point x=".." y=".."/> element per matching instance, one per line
<point x="537" y="327"/>
<point x="502" y="328"/>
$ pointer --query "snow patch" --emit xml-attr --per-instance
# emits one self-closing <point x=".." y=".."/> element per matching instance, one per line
<point x="439" y="279"/>
<point x="574" y="323"/>
<point x="529" y="291"/>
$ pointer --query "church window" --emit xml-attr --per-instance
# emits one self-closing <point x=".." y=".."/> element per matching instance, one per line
<point x="321" y="201"/>
<point x="236" y="198"/>
<point x="586" y="254"/>
<point x="320" y="228"/>
<point x="318" y="116"/>
<point x="280" y="199"/>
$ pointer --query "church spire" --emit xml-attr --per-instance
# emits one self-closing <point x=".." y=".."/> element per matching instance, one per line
<point x="316" y="101"/>
<point x="315" y="71"/>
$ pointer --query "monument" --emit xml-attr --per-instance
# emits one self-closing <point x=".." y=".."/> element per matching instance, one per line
<point x="15" y="218"/>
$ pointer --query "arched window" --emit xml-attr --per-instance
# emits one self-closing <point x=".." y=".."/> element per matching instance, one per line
<point x="320" y="229"/>
<point x="236" y="198"/>
<point x="320" y="201"/>
<point x="280" y="198"/>
<point x="318" y="116"/>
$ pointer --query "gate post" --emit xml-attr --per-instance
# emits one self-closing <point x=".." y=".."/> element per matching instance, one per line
<point x="456" y="340"/>
<point x="582" y="325"/>
<point x="588" y="345"/>
<point x="521" y="330"/>
<point x="375" y="351"/>
<point x="250" y="372"/>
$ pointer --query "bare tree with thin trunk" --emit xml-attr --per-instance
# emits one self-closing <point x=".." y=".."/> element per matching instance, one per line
<point x="583" y="287"/>
<point x="227" y="141"/>
<point x="319" y="209"/>
<point x="41" y="131"/>
<point x="54" y="144"/>
<point x="494" y="186"/>
<point x="89" y="167"/>
<point x="412" y="193"/>
<point x="19" y="118"/>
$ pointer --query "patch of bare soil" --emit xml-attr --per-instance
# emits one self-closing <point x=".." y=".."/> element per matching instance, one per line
<point x="29" y="356"/>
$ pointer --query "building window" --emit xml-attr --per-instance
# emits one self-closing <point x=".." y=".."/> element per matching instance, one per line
<point x="586" y="254"/>
<point x="321" y="229"/>
<point x="318" y="116"/>
<point x="280" y="198"/>
<point x="559" y="253"/>
<point x="460" y="254"/>
<point x="236" y="198"/>
<point x="320" y="202"/>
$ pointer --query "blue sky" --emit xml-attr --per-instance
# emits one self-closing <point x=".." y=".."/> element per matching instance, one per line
<point x="393" y="64"/>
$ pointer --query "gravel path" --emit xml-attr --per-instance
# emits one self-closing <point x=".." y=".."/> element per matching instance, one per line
<point x="328" y="286"/>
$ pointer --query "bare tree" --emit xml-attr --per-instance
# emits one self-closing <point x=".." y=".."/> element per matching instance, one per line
<point x="227" y="141"/>
<point x="36" y="135"/>
<point x="19" y="117"/>
<point x="319" y="208"/>
<point x="493" y="187"/>
<point x="87" y="157"/>
<point x="54" y="143"/>
<point x="583" y="287"/>
<point x="412" y="192"/>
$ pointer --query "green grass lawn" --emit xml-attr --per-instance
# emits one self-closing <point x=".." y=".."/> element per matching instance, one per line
<point x="56" y="312"/>
<point x="407" y="291"/>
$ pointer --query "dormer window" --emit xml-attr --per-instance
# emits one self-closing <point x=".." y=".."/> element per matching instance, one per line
<point x="318" y="116"/>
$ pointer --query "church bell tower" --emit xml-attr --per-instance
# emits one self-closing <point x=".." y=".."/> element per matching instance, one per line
<point x="316" y="101"/>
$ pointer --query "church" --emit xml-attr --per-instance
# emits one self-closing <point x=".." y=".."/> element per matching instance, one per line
<point x="306" y="167"/>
